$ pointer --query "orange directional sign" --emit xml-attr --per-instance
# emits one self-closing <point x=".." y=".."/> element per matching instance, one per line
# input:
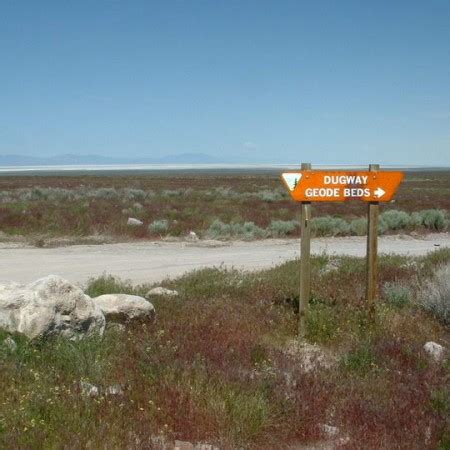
<point x="340" y="186"/>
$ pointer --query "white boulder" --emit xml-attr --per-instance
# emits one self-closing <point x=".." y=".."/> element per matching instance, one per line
<point x="124" y="307"/>
<point x="161" y="292"/>
<point x="434" y="350"/>
<point x="192" y="236"/>
<point x="50" y="306"/>
<point x="9" y="285"/>
<point x="134" y="222"/>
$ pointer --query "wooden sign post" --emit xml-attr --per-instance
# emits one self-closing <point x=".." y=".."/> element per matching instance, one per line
<point x="372" y="249"/>
<point x="305" y="264"/>
<point x="306" y="186"/>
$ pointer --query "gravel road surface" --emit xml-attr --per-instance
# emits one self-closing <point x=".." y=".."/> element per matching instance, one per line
<point x="154" y="261"/>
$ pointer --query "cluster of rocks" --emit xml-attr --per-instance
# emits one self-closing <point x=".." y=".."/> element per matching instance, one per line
<point x="90" y="390"/>
<point x="52" y="306"/>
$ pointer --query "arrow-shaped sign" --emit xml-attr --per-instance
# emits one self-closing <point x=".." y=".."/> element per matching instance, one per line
<point x="340" y="186"/>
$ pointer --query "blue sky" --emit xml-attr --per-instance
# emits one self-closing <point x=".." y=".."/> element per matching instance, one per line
<point x="263" y="81"/>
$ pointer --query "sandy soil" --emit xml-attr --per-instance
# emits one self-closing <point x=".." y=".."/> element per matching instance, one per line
<point x="154" y="261"/>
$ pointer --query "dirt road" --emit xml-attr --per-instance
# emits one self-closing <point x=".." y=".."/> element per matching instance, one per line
<point x="154" y="261"/>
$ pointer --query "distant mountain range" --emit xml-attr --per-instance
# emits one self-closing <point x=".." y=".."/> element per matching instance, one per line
<point x="75" y="160"/>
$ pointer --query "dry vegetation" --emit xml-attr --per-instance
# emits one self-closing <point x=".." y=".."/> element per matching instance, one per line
<point x="218" y="366"/>
<point x="217" y="205"/>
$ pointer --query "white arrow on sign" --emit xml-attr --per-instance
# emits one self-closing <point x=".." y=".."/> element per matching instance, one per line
<point x="379" y="192"/>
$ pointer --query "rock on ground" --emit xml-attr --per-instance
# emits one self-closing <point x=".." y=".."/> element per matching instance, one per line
<point x="88" y="389"/>
<point x="9" y="286"/>
<point x="435" y="350"/>
<point x="161" y="292"/>
<point x="50" y="306"/>
<point x="123" y="307"/>
<point x="115" y="389"/>
<point x="134" y="222"/>
<point x="192" y="236"/>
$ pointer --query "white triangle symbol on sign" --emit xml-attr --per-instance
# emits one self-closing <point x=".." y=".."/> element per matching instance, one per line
<point x="292" y="179"/>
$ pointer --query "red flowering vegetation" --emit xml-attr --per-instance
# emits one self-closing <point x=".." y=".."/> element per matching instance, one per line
<point x="384" y="400"/>
<point x="391" y="411"/>
<point x="219" y="366"/>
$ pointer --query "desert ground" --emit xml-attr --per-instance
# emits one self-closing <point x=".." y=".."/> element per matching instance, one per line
<point x="178" y="330"/>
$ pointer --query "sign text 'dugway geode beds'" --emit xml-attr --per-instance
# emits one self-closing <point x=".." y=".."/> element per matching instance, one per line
<point x="329" y="186"/>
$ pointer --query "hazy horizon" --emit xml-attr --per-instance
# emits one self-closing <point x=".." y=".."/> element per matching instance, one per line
<point x="71" y="162"/>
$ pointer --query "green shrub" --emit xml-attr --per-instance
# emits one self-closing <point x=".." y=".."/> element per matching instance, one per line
<point x="360" y="360"/>
<point x="382" y="226"/>
<point x="416" y="220"/>
<point x="221" y="191"/>
<point x="269" y="196"/>
<point x="358" y="227"/>
<point x="280" y="228"/>
<point x="5" y="197"/>
<point x="247" y="230"/>
<point x="329" y="226"/>
<point x="397" y="294"/>
<point x="218" y="230"/>
<point x="39" y="193"/>
<point x="107" y="284"/>
<point x="321" y="324"/>
<point x="88" y="359"/>
<point x="135" y="194"/>
<point x="159" y="226"/>
<point x="434" y="295"/>
<point x="103" y="193"/>
<point x="396" y="220"/>
<point x="434" y="219"/>
<point x="440" y="401"/>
